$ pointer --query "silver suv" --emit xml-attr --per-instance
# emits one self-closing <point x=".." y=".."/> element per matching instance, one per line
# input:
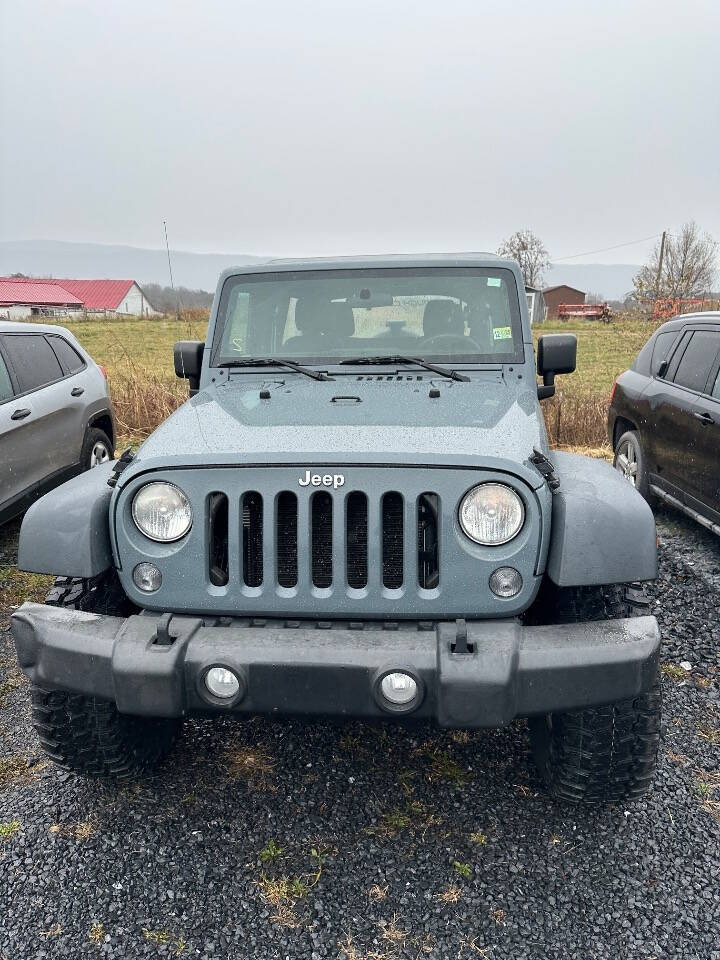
<point x="55" y="413"/>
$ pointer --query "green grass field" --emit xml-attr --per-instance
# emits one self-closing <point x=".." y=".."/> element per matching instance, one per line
<point x="138" y="356"/>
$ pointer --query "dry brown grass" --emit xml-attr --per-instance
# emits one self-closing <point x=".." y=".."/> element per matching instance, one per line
<point x="13" y="769"/>
<point x="574" y="420"/>
<point x="142" y="399"/>
<point x="82" y="830"/>
<point x="451" y="894"/>
<point x="253" y="765"/>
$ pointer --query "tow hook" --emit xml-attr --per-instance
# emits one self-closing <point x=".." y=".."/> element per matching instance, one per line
<point x="461" y="647"/>
<point x="163" y="637"/>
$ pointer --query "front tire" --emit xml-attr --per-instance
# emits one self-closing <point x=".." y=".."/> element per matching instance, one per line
<point x="629" y="460"/>
<point x="97" y="449"/>
<point x="603" y="754"/>
<point x="86" y="734"/>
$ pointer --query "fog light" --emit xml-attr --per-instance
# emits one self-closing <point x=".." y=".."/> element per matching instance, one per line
<point x="147" y="577"/>
<point x="506" y="582"/>
<point x="398" y="689"/>
<point x="222" y="683"/>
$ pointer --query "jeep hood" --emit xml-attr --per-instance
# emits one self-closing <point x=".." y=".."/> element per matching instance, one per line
<point x="374" y="418"/>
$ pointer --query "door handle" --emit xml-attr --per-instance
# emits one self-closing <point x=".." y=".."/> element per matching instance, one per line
<point x="703" y="418"/>
<point x="77" y="391"/>
<point x="21" y="414"/>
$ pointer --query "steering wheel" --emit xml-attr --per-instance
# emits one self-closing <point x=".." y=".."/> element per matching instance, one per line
<point x="453" y="338"/>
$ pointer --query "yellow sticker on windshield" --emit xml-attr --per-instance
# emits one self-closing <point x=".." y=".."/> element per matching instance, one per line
<point x="502" y="333"/>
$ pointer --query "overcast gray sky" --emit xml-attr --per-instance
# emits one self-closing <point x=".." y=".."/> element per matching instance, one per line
<point x="336" y="126"/>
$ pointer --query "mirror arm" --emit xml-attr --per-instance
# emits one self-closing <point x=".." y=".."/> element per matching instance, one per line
<point x="547" y="388"/>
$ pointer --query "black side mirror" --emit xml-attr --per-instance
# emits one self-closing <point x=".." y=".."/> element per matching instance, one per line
<point x="556" y="353"/>
<point x="188" y="355"/>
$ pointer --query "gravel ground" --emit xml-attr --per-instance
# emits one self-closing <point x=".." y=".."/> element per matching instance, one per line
<point x="294" y="840"/>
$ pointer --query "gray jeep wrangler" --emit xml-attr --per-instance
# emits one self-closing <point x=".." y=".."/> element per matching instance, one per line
<point x="355" y="514"/>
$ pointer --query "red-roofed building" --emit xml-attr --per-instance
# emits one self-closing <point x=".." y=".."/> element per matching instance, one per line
<point x="110" y="296"/>
<point x="29" y="296"/>
<point x="21" y="297"/>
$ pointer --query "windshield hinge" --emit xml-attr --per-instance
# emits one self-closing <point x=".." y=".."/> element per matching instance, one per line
<point x="546" y="469"/>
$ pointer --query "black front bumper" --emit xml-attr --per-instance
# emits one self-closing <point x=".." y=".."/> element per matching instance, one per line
<point x="334" y="669"/>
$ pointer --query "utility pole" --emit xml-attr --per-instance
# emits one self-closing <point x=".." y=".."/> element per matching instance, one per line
<point x="660" y="265"/>
<point x="172" y="285"/>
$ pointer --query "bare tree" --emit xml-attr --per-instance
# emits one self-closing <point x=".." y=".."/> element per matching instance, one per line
<point x="689" y="266"/>
<point x="529" y="251"/>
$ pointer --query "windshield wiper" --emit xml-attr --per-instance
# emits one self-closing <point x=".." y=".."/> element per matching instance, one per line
<point x="442" y="371"/>
<point x="276" y="362"/>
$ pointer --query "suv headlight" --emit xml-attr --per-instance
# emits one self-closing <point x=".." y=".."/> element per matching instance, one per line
<point x="162" y="512"/>
<point x="491" y="514"/>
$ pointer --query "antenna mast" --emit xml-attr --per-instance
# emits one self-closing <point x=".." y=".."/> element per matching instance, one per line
<point x="172" y="284"/>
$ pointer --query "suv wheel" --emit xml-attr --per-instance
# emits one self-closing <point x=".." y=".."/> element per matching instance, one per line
<point x="97" y="449"/>
<point x="602" y="754"/>
<point x="629" y="460"/>
<point x="86" y="734"/>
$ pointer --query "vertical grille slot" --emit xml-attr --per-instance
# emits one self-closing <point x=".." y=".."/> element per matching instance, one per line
<point x="218" y="539"/>
<point x="252" y="523"/>
<point x="428" y="529"/>
<point x="392" y="540"/>
<point x="321" y="539"/>
<point x="356" y="540"/>
<point x="286" y="539"/>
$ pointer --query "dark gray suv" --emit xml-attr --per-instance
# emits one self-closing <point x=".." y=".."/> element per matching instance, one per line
<point x="356" y="514"/>
<point x="664" y="421"/>
<point x="55" y="413"/>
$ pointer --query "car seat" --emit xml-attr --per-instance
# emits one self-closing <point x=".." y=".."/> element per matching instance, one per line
<point x="442" y="317"/>
<point x="323" y="326"/>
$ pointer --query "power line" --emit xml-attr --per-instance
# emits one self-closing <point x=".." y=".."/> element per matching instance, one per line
<point x="616" y="246"/>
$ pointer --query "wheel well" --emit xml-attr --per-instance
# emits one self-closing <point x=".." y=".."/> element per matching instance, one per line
<point x="622" y="425"/>
<point x="103" y="421"/>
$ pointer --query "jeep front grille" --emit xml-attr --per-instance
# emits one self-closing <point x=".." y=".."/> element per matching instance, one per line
<point x="382" y="545"/>
<point x="405" y="550"/>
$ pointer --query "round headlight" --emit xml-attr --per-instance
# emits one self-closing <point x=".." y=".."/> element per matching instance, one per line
<point x="162" y="512"/>
<point x="491" y="514"/>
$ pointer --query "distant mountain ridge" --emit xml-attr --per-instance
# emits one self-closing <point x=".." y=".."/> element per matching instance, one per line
<point x="58" y="258"/>
<point x="199" y="271"/>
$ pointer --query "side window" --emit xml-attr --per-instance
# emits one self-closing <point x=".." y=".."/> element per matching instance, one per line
<point x="698" y="360"/>
<point x="33" y="360"/>
<point x="68" y="356"/>
<point x="6" y="390"/>
<point x="716" y="388"/>
<point x="664" y="343"/>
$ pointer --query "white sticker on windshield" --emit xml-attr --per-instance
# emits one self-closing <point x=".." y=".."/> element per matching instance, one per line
<point x="494" y="282"/>
<point x="502" y="333"/>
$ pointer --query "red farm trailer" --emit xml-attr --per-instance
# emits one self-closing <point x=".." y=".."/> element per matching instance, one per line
<point x="588" y="311"/>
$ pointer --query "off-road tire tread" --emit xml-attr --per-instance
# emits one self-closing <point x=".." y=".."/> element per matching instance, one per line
<point x="89" y="735"/>
<point x="603" y="754"/>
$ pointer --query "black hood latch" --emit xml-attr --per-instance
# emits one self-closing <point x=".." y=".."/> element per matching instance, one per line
<point x="121" y="464"/>
<point x="545" y="467"/>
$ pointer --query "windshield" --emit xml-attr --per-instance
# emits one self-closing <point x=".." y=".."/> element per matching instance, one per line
<point x="465" y="314"/>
